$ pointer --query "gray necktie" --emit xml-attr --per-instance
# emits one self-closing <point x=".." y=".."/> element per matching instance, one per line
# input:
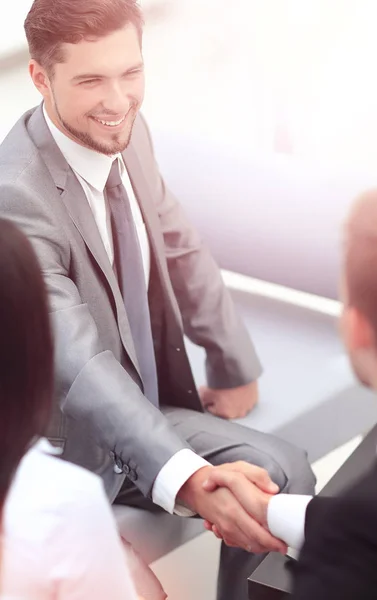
<point x="130" y="270"/>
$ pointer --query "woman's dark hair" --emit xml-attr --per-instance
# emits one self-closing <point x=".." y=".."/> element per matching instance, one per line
<point x="26" y="352"/>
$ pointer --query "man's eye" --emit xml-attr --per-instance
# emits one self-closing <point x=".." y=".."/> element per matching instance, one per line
<point x="89" y="81"/>
<point x="134" y="72"/>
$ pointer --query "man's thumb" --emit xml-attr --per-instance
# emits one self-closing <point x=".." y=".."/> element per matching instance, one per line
<point x="264" y="482"/>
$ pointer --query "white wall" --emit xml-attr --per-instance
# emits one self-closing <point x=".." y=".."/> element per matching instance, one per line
<point x="233" y="73"/>
<point x="12" y="36"/>
<point x="17" y="95"/>
<point x="196" y="62"/>
<point x="205" y="111"/>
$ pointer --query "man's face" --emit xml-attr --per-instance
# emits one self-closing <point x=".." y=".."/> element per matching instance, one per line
<point x="95" y="94"/>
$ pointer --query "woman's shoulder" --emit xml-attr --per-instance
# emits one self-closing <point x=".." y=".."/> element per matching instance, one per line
<point x="44" y="489"/>
<point x="46" y="459"/>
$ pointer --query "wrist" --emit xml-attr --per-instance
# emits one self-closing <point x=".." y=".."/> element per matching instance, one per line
<point x="265" y="503"/>
<point x="191" y="489"/>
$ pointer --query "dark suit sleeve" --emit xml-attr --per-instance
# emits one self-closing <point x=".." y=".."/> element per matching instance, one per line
<point x="339" y="557"/>
<point x="315" y="513"/>
<point x="209" y="316"/>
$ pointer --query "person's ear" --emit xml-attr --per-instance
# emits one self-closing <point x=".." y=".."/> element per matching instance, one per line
<point x="39" y="77"/>
<point x="357" y="331"/>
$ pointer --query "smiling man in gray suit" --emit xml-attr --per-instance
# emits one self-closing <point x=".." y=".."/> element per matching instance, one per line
<point x="127" y="276"/>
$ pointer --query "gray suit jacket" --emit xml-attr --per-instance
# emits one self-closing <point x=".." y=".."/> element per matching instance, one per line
<point x="101" y="416"/>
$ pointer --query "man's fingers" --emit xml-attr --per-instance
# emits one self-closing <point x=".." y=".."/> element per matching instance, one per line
<point x="206" y="395"/>
<point x="208" y="525"/>
<point x="268" y="542"/>
<point x="218" y="478"/>
<point x="252" y="500"/>
<point x="213" y="409"/>
<point x="229" y="542"/>
<point x="261" y="478"/>
<point x="255" y="475"/>
<point x="260" y="540"/>
<point x="250" y="532"/>
<point x="217" y="532"/>
<point x="257" y="540"/>
<point x="202" y="391"/>
<point x="209" y="401"/>
<point x="238" y="511"/>
<point x="217" y="408"/>
<point x="251" y="543"/>
<point x="216" y="403"/>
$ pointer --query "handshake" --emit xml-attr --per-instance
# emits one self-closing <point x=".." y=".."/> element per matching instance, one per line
<point x="233" y="499"/>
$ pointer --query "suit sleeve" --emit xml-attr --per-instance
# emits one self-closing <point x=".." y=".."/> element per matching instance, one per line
<point x="338" y="559"/>
<point x="92" y="385"/>
<point x="209" y="316"/>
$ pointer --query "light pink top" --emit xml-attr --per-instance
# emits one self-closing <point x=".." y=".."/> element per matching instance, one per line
<point x="60" y="540"/>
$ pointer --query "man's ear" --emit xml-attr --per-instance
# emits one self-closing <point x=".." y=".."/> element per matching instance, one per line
<point x="39" y="77"/>
<point x="358" y="332"/>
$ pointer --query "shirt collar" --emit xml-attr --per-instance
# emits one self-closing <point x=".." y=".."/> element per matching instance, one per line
<point x="89" y="164"/>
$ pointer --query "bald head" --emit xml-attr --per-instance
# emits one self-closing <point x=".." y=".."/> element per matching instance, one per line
<point x="361" y="257"/>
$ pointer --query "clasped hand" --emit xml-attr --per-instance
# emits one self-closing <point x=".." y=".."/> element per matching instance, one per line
<point x="233" y="500"/>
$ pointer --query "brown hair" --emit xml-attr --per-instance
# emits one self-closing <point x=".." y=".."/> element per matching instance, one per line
<point x="51" y="23"/>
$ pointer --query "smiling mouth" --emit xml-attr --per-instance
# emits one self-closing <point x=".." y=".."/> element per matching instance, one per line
<point x="110" y="123"/>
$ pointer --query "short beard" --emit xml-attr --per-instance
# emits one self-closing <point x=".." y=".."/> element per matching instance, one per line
<point x="85" y="139"/>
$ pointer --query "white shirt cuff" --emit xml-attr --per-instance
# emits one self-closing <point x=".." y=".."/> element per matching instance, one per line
<point x="286" y="518"/>
<point x="171" y="478"/>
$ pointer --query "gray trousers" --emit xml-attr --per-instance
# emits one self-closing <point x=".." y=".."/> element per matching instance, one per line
<point x="220" y="441"/>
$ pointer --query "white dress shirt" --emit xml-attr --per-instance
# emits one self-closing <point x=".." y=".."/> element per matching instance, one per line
<point x="92" y="170"/>
<point x="59" y="535"/>
<point x="286" y="518"/>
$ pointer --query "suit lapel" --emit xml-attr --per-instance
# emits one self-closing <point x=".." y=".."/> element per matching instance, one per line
<point x="76" y="203"/>
<point x="81" y="214"/>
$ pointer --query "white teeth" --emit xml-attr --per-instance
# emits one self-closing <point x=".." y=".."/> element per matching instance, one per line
<point x="110" y="123"/>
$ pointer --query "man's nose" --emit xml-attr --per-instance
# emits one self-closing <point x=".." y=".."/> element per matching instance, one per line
<point x="116" y="102"/>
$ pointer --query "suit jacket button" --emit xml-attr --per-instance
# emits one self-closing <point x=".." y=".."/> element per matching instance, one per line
<point x="112" y="455"/>
<point x="133" y="475"/>
<point x="118" y="467"/>
<point x="126" y="469"/>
